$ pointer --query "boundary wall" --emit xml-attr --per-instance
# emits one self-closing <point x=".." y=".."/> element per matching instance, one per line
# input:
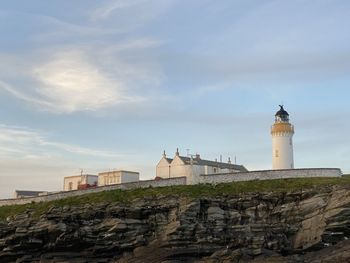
<point x="202" y="179"/>
<point x="125" y="186"/>
<point x="269" y="175"/>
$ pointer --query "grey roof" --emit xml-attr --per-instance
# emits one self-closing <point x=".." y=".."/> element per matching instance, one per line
<point x="169" y="160"/>
<point x="220" y="165"/>
<point x="29" y="193"/>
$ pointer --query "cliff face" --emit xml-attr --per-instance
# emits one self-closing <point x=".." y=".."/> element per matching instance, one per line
<point x="308" y="226"/>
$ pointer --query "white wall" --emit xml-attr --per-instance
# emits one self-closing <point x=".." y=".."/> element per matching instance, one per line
<point x="76" y="180"/>
<point x="177" y="168"/>
<point x="204" y="179"/>
<point x="102" y="177"/>
<point x="79" y="179"/>
<point x="127" y="186"/>
<point x="216" y="170"/>
<point x="109" y="178"/>
<point x="282" y="151"/>
<point x="128" y="177"/>
<point x="270" y="175"/>
<point x="117" y="177"/>
<point x="163" y="169"/>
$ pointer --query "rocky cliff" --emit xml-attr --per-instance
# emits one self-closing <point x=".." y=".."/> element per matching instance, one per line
<point x="302" y="226"/>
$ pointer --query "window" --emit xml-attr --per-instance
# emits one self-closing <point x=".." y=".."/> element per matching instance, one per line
<point x="79" y="182"/>
<point x="70" y="186"/>
<point x="276" y="153"/>
<point x="215" y="170"/>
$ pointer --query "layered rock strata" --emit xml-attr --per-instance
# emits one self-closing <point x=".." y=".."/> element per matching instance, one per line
<point x="304" y="226"/>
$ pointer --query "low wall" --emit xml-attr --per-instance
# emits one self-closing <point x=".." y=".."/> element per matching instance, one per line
<point x="202" y="179"/>
<point x="125" y="186"/>
<point x="269" y="175"/>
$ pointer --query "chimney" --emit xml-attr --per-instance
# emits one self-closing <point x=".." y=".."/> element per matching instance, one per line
<point x="164" y="154"/>
<point x="220" y="158"/>
<point x="177" y="152"/>
<point x="229" y="160"/>
<point x="198" y="156"/>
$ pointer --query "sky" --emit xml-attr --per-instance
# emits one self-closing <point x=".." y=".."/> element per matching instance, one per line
<point x="110" y="84"/>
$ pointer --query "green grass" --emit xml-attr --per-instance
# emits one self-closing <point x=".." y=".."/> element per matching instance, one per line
<point x="191" y="191"/>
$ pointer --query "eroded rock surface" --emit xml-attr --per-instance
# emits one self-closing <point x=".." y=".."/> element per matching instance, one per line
<point x="305" y="226"/>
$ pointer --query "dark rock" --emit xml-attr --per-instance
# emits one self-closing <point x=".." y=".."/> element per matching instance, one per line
<point x="257" y="227"/>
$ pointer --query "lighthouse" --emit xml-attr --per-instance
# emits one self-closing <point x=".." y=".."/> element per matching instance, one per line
<point x="282" y="132"/>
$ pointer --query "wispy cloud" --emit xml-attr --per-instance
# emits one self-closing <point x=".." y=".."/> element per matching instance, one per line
<point x="31" y="159"/>
<point x="22" y="96"/>
<point x="25" y="143"/>
<point x="69" y="81"/>
<point x="130" y="15"/>
<point x="106" y="10"/>
<point x="136" y="44"/>
<point x="73" y="72"/>
<point x="60" y="31"/>
<point x="80" y="150"/>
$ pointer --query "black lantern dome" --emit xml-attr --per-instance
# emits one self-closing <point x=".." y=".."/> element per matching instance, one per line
<point x="282" y="115"/>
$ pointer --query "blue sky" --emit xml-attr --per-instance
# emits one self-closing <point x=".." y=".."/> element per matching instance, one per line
<point x="97" y="85"/>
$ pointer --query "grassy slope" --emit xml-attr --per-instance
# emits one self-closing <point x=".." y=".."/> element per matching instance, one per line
<point x="193" y="191"/>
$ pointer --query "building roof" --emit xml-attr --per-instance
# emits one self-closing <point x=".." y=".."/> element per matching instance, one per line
<point x="80" y="175"/>
<point x="28" y="193"/>
<point x="282" y="112"/>
<point x="220" y="165"/>
<point x="119" y="171"/>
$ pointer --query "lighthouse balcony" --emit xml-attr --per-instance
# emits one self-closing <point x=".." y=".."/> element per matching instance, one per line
<point x="281" y="128"/>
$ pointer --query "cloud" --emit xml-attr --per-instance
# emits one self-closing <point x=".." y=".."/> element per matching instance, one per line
<point x="105" y="11"/>
<point x="58" y="30"/>
<point x="44" y="28"/>
<point x="80" y="150"/>
<point x="136" y="44"/>
<point x="69" y="81"/>
<point x="20" y="95"/>
<point x="73" y="71"/>
<point x="26" y="143"/>
<point x="30" y="159"/>
<point x="129" y="15"/>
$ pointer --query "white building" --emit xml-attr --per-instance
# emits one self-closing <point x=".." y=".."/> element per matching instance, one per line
<point x="117" y="177"/>
<point x="192" y="167"/>
<point x="82" y="181"/>
<point x="282" y="141"/>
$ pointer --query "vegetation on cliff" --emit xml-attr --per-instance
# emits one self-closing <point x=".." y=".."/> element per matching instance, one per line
<point x="190" y="191"/>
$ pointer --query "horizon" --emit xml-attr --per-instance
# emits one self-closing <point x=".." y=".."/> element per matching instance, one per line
<point x="111" y="84"/>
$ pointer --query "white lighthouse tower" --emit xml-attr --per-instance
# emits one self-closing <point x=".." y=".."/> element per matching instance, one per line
<point x="282" y="141"/>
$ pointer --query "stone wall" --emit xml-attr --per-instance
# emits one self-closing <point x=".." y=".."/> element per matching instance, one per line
<point x="125" y="186"/>
<point x="269" y="175"/>
<point x="202" y="179"/>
